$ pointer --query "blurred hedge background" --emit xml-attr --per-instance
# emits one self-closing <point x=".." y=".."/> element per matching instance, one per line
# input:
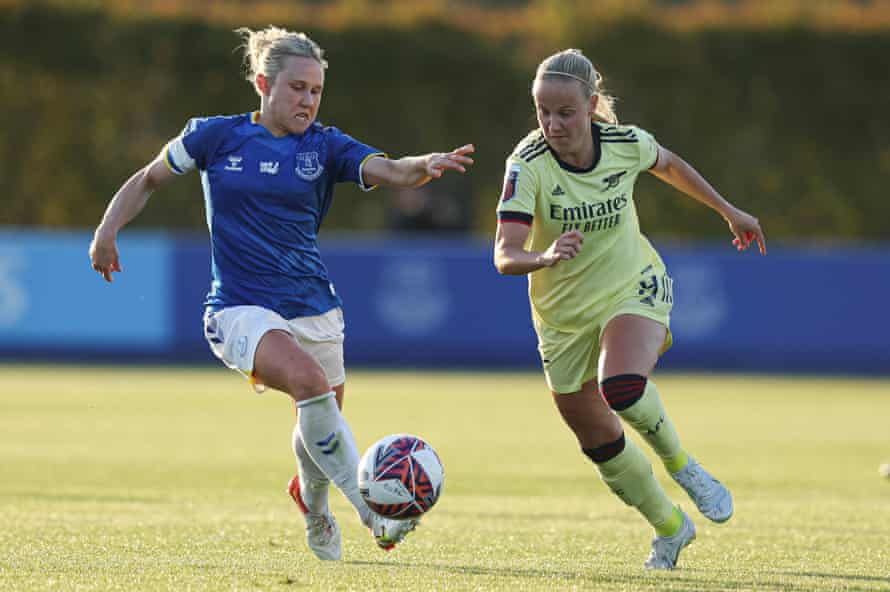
<point x="782" y="105"/>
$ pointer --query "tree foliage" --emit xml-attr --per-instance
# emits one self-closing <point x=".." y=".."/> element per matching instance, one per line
<point x="789" y="123"/>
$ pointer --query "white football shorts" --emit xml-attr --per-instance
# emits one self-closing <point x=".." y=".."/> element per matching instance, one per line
<point x="234" y="333"/>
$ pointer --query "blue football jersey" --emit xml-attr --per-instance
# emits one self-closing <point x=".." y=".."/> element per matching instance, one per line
<point x="265" y="199"/>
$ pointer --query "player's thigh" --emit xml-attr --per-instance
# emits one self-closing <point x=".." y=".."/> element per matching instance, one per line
<point x="588" y="416"/>
<point x="631" y="344"/>
<point x="280" y="363"/>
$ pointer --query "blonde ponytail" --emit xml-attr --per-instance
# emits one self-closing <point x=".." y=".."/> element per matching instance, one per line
<point x="266" y="50"/>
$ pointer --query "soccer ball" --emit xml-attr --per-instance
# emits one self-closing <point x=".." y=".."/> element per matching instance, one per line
<point x="400" y="476"/>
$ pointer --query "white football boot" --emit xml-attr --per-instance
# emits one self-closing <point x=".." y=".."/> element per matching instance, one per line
<point x="710" y="496"/>
<point x="666" y="550"/>
<point x="322" y="530"/>
<point x="388" y="532"/>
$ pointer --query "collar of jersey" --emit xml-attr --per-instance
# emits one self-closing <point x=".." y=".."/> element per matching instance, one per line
<point x="597" y="153"/>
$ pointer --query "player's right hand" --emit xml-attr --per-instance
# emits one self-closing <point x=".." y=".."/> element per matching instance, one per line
<point x="104" y="256"/>
<point x="456" y="160"/>
<point x="567" y="246"/>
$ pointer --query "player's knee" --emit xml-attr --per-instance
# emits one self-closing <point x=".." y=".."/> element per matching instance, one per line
<point x="623" y="390"/>
<point x="307" y="382"/>
<point x="607" y="451"/>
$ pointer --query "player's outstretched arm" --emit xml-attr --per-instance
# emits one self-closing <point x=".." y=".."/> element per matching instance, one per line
<point x="511" y="258"/>
<point x="124" y="206"/>
<point x="676" y="172"/>
<point x="414" y="171"/>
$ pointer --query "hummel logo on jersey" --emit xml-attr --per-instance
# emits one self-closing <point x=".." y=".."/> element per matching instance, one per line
<point x="235" y="164"/>
<point x="558" y="190"/>
<point x="269" y="167"/>
<point x="612" y="180"/>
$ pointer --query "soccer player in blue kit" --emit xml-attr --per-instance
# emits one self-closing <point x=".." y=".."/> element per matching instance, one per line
<point x="272" y="313"/>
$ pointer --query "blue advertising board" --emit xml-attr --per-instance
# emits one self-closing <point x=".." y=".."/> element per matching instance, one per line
<point x="441" y="303"/>
<point x="52" y="301"/>
<point x="793" y="310"/>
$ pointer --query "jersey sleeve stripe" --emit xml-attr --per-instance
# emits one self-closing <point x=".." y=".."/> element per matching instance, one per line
<point x="533" y="155"/>
<point x="616" y="133"/>
<point x="361" y="177"/>
<point x="520" y="217"/>
<point x="532" y="147"/>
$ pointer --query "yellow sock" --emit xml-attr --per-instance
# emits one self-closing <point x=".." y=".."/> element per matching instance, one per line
<point x="671" y="525"/>
<point x="629" y="475"/>
<point x="648" y="417"/>
<point x="675" y="463"/>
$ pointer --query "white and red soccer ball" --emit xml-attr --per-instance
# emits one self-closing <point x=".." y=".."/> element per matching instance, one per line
<point x="400" y="476"/>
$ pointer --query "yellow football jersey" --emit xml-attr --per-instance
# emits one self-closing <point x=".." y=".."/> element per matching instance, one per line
<point x="554" y="197"/>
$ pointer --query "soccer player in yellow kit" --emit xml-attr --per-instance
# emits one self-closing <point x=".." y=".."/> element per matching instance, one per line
<point x="600" y="294"/>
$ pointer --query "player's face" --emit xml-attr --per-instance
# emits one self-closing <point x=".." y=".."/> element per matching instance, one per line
<point x="295" y="96"/>
<point x="563" y="114"/>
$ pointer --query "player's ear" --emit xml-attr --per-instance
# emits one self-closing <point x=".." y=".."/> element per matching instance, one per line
<point x="262" y="84"/>
<point x="594" y="101"/>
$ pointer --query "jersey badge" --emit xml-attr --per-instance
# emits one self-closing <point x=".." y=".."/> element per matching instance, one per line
<point x="510" y="182"/>
<point x="612" y="180"/>
<point x="308" y="168"/>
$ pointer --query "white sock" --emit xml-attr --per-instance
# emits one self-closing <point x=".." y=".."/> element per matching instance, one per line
<point x="313" y="483"/>
<point x="330" y="443"/>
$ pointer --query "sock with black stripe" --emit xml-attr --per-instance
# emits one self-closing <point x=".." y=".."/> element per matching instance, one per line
<point x="636" y="400"/>
<point x="627" y="472"/>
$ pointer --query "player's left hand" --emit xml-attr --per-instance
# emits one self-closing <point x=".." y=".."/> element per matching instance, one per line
<point x="456" y="160"/>
<point x="104" y="256"/>
<point x="746" y="229"/>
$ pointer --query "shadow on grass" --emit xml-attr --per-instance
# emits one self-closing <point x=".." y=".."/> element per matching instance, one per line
<point x="532" y="574"/>
<point x="696" y="578"/>
<point x="832" y="576"/>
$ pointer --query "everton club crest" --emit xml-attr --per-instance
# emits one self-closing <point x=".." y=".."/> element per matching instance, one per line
<point x="308" y="168"/>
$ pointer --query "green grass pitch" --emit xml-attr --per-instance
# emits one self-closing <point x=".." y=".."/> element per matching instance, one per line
<point x="173" y="479"/>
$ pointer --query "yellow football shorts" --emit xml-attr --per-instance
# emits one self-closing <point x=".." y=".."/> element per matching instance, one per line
<point x="570" y="358"/>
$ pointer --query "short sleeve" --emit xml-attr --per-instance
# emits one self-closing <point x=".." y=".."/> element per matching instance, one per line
<point x="648" y="148"/>
<point x="518" y="197"/>
<point x="348" y="156"/>
<point x="189" y="150"/>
